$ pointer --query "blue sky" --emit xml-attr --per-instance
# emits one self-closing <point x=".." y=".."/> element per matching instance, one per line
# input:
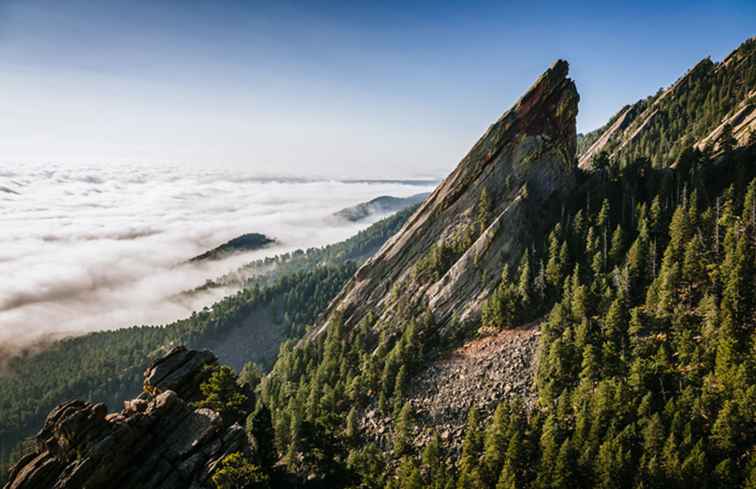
<point x="343" y="89"/>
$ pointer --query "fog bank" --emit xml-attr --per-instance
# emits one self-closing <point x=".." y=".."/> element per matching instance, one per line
<point x="85" y="249"/>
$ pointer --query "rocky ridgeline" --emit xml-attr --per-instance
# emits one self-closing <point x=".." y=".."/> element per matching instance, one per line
<point x="157" y="441"/>
<point x="524" y="163"/>
<point x="640" y="119"/>
<point x="481" y="373"/>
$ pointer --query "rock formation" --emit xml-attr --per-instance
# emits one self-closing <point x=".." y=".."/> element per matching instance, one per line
<point x="647" y="118"/>
<point x="156" y="441"/>
<point x="742" y="126"/>
<point x="524" y="162"/>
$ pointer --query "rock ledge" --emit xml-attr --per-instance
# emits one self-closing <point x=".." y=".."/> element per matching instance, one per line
<point x="156" y="441"/>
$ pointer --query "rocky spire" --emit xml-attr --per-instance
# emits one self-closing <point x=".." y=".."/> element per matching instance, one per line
<point x="523" y="162"/>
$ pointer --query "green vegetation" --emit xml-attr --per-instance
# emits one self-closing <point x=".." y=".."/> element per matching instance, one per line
<point x="700" y="103"/>
<point x="646" y="369"/>
<point x="265" y="271"/>
<point x="221" y="393"/>
<point x="237" y="472"/>
<point x="107" y="366"/>
<point x="644" y="289"/>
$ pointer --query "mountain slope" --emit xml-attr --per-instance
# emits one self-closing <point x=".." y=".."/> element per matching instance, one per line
<point x="447" y="256"/>
<point x="644" y="373"/>
<point x="279" y="297"/>
<point x="684" y="114"/>
<point x="644" y="363"/>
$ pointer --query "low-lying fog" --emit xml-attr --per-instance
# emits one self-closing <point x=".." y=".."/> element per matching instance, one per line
<point x="85" y="249"/>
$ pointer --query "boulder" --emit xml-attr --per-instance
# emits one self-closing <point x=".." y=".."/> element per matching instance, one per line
<point x="157" y="441"/>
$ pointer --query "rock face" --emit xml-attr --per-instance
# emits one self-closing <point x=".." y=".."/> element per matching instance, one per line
<point x="156" y="441"/>
<point x="524" y="162"/>
<point x="625" y="134"/>
<point x="742" y="126"/>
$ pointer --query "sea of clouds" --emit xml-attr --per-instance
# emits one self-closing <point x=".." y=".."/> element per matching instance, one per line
<point x="85" y="249"/>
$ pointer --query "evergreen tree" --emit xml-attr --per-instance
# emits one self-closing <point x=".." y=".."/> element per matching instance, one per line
<point x="260" y="430"/>
<point x="237" y="472"/>
<point x="471" y="450"/>
<point x="403" y="430"/>
<point x="484" y="211"/>
<point x="494" y="446"/>
<point x="222" y="394"/>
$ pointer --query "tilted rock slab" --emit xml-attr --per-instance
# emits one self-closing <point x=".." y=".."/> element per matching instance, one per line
<point x="156" y="441"/>
<point x="526" y="162"/>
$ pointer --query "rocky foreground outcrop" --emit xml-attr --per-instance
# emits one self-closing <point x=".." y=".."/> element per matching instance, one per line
<point x="156" y="441"/>
<point x="524" y="164"/>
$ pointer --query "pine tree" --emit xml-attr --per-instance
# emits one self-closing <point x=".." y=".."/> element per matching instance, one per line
<point x="236" y="472"/>
<point x="409" y="475"/>
<point x="524" y="283"/>
<point x="432" y="462"/>
<point x="617" y="250"/>
<point x="471" y="449"/>
<point x="495" y="445"/>
<point x="550" y="442"/>
<point x="398" y="393"/>
<point x="222" y="394"/>
<point x="555" y="265"/>
<point x="260" y="430"/>
<point x="351" y="428"/>
<point x="484" y="211"/>
<point x="564" y="468"/>
<point x="402" y="430"/>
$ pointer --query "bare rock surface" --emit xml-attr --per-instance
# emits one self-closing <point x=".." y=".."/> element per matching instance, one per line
<point x="742" y="125"/>
<point x="156" y="441"/>
<point x="523" y="162"/>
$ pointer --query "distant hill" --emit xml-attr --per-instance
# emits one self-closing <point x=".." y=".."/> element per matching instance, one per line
<point x="245" y="242"/>
<point x="380" y="205"/>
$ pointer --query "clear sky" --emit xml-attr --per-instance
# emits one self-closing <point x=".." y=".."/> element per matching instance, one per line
<point x="341" y="89"/>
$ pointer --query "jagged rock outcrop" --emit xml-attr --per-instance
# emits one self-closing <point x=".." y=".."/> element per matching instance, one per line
<point x="742" y="126"/>
<point x="524" y="162"/>
<point x="157" y="441"/>
<point x="643" y="129"/>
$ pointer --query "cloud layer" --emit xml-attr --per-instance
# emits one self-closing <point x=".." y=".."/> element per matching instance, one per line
<point x="86" y="249"/>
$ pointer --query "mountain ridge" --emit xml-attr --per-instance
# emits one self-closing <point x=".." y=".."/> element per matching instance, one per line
<point x="530" y="149"/>
<point x="699" y="101"/>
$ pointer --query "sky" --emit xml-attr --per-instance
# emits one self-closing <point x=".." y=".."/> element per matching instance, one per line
<point x="338" y="89"/>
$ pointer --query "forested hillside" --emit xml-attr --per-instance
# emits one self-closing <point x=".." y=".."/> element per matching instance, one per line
<point x="646" y="368"/>
<point x="643" y="289"/>
<point x="636" y="273"/>
<point x="107" y="366"/>
<point x="664" y="125"/>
